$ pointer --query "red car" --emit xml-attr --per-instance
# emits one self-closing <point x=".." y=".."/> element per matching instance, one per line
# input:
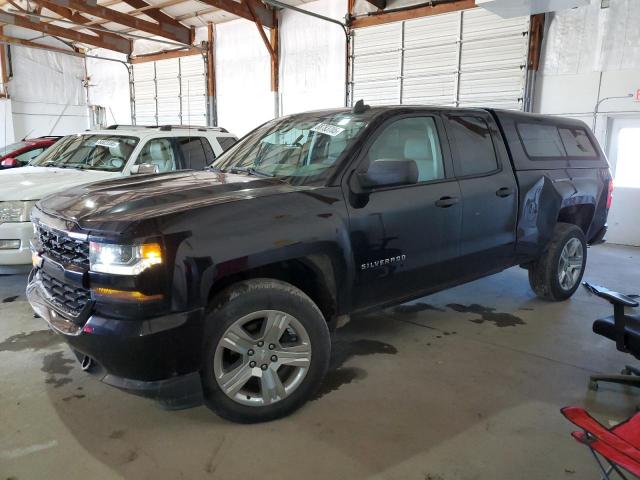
<point x="20" y="153"/>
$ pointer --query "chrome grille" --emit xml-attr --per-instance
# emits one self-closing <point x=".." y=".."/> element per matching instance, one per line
<point x="64" y="249"/>
<point x="66" y="297"/>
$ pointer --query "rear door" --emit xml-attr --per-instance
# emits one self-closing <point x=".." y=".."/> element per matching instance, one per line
<point x="489" y="192"/>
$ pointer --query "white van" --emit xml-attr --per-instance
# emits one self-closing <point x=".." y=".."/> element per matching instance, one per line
<point x="90" y="157"/>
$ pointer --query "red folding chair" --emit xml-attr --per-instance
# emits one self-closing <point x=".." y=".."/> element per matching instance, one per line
<point x="618" y="446"/>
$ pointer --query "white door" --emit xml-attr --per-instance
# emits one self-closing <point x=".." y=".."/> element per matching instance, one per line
<point x="624" y="156"/>
<point x="468" y="58"/>
<point x="170" y="92"/>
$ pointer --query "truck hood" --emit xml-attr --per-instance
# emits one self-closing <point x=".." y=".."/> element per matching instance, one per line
<point x="34" y="183"/>
<point x="131" y="199"/>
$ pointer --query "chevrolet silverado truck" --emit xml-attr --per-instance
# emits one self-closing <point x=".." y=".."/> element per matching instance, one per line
<point x="223" y="286"/>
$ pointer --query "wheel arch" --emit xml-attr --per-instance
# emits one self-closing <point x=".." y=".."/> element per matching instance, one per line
<point x="313" y="274"/>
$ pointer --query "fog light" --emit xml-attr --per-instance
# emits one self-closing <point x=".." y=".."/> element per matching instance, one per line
<point x="9" y="244"/>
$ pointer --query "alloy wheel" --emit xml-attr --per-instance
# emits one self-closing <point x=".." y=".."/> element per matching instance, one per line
<point x="262" y="358"/>
<point x="570" y="264"/>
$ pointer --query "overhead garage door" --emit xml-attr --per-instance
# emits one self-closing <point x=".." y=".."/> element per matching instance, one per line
<point x="467" y="58"/>
<point x="170" y="92"/>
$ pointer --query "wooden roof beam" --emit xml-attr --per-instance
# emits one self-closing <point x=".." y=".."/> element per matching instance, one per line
<point x="76" y="17"/>
<point x="161" y="29"/>
<point x="242" y="10"/>
<point x="121" y="45"/>
<point x="160" y="17"/>
<point x="381" y="17"/>
<point x="29" y="43"/>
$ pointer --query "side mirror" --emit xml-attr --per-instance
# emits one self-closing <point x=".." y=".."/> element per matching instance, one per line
<point x="144" y="169"/>
<point x="9" y="163"/>
<point x="388" y="173"/>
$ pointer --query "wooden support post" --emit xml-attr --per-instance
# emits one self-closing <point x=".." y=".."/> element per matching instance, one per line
<point x="4" y="75"/>
<point x="535" y="41"/>
<point x="275" y="57"/>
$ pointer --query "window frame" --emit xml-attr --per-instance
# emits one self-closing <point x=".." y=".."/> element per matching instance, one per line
<point x="457" y="163"/>
<point x="566" y="157"/>
<point x="444" y="149"/>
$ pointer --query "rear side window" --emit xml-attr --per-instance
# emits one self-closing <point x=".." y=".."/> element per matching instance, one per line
<point x="475" y="153"/>
<point x="549" y="141"/>
<point x="226" y="142"/>
<point x="577" y="143"/>
<point x="541" y="140"/>
<point x="193" y="152"/>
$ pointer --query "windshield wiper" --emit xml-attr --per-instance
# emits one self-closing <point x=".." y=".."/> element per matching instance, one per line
<point x="251" y="171"/>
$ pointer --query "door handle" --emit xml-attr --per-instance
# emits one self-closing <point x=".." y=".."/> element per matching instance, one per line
<point x="504" y="192"/>
<point x="446" y="202"/>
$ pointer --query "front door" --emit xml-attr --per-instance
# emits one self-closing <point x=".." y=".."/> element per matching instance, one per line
<point x="405" y="238"/>
<point x="624" y="155"/>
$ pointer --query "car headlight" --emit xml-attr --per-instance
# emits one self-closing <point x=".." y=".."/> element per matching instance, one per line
<point x="15" y="211"/>
<point x="123" y="259"/>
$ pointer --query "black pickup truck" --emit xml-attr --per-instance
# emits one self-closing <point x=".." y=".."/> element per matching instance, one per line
<point x="223" y="286"/>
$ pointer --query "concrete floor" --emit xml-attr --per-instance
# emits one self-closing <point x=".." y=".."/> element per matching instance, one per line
<point x="465" y="384"/>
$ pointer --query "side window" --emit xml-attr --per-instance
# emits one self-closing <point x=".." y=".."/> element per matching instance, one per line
<point x="226" y="142"/>
<point x="30" y="155"/>
<point x="577" y="143"/>
<point x="192" y="152"/>
<point x="414" y="139"/>
<point x="475" y="153"/>
<point x="208" y="150"/>
<point x="159" y="152"/>
<point x="541" y="140"/>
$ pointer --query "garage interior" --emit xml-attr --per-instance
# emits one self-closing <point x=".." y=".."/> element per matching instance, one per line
<point x="466" y="383"/>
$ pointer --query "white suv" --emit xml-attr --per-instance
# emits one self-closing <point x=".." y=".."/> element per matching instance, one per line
<point x="90" y="157"/>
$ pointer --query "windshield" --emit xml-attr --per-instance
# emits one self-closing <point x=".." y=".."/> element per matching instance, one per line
<point x="300" y="149"/>
<point x="88" y="151"/>
<point x="12" y="148"/>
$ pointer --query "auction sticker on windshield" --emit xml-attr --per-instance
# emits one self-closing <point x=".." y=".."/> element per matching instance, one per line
<point x="107" y="143"/>
<point x="328" y="129"/>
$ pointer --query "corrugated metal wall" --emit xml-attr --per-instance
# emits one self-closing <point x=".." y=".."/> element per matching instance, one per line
<point x="170" y="92"/>
<point x="460" y="59"/>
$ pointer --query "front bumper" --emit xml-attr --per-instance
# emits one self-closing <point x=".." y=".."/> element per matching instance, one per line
<point x="155" y="357"/>
<point x="19" y="259"/>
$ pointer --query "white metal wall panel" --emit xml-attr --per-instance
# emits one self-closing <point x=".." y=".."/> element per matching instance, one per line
<point x="144" y="88"/>
<point x="430" y="61"/>
<point x="468" y="58"/>
<point x="376" y="64"/>
<point x="194" y="90"/>
<point x="493" y="60"/>
<point x="170" y="92"/>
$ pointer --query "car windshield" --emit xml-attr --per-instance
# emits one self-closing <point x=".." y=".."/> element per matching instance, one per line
<point x="300" y="149"/>
<point x="6" y="150"/>
<point x="88" y="151"/>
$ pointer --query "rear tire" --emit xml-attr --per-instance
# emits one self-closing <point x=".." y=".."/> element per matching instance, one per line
<point x="557" y="274"/>
<point x="266" y="353"/>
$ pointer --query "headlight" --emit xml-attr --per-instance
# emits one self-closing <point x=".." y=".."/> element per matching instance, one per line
<point x="15" y="211"/>
<point x="123" y="259"/>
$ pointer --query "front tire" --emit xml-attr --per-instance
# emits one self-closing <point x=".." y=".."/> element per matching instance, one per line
<point x="557" y="274"/>
<point x="266" y="353"/>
